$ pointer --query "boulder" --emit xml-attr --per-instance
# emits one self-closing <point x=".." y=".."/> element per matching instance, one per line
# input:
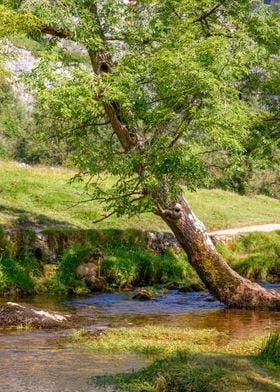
<point x="13" y="314"/>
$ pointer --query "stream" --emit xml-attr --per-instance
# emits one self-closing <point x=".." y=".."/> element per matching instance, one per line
<point x="39" y="360"/>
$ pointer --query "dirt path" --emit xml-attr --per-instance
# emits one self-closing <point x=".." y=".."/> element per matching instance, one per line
<point x="249" y="229"/>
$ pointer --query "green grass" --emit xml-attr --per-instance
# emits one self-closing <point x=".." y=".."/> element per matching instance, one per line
<point x="184" y="360"/>
<point x="125" y="265"/>
<point x="270" y="351"/>
<point x="45" y="196"/>
<point x="255" y="256"/>
<point x="151" y="340"/>
<point x="16" y="275"/>
<point x="137" y="267"/>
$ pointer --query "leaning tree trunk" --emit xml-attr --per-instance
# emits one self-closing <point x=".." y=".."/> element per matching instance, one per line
<point x="224" y="283"/>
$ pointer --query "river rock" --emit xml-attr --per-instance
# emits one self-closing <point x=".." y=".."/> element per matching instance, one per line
<point x="192" y="288"/>
<point x="142" y="296"/>
<point x="89" y="269"/>
<point x="172" y="286"/>
<point x="13" y="314"/>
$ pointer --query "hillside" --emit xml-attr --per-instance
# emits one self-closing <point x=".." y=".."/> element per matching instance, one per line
<point x="45" y="196"/>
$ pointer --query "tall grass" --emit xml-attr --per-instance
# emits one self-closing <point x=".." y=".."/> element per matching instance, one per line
<point x="17" y="275"/>
<point x="124" y="266"/>
<point x="256" y="256"/>
<point x="139" y="267"/>
<point x="64" y="279"/>
<point x="270" y="351"/>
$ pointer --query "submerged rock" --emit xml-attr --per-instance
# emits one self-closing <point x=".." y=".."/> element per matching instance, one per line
<point x="172" y="286"/>
<point x="191" y="288"/>
<point x="142" y="296"/>
<point x="13" y="314"/>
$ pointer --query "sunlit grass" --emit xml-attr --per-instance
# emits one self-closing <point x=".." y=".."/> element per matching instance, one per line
<point x="44" y="195"/>
<point x="184" y="360"/>
<point x="255" y="256"/>
<point x="152" y="340"/>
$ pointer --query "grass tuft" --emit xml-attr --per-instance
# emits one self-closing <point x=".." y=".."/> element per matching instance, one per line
<point x="270" y="351"/>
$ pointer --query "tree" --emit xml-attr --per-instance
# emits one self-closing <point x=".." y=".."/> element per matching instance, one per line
<point x="170" y="82"/>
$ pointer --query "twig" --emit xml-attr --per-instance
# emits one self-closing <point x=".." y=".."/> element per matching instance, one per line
<point x="104" y="217"/>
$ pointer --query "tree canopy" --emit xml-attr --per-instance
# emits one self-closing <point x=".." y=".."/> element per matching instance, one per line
<point x="194" y="83"/>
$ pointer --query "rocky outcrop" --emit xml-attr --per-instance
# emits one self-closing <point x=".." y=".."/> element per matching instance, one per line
<point x="160" y="240"/>
<point x="18" y="61"/>
<point x="47" y="244"/>
<point x="13" y="315"/>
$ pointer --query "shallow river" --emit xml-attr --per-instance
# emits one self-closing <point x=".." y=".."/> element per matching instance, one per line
<point x="39" y="361"/>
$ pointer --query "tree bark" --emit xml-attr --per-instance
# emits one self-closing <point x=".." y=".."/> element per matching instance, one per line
<point x="223" y="282"/>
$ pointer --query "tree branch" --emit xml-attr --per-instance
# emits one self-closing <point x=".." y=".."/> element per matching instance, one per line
<point x="209" y="13"/>
<point x="104" y="217"/>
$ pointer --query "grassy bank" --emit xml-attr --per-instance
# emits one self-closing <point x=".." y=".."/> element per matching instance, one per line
<point x="255" y="256"/>
<point x="127" y="262"/>
<point x="204" y="362"/>
<point x="45" y="196"/>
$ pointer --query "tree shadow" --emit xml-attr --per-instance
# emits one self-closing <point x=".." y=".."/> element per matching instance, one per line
<point x="26" y="218"/>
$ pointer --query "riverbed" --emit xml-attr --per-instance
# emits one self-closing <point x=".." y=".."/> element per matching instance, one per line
<point x="40" y="361"/>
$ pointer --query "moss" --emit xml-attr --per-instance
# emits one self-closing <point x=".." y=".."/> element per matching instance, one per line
<point x="25" y="239"/>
